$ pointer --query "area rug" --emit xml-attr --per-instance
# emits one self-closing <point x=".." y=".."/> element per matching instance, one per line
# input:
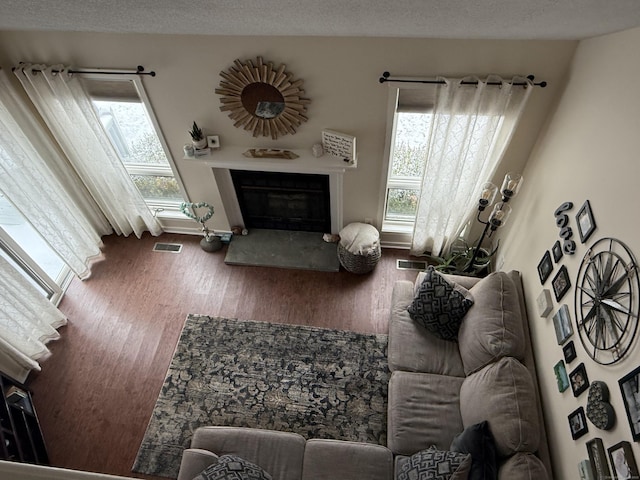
<point x="317" y="382"/>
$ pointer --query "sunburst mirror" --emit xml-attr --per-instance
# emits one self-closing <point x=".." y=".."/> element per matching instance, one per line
<point x="262" y="99"/>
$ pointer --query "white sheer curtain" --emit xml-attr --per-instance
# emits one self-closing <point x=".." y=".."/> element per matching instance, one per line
<point x="69" y="114"/>
<point x="28" y="320"/>
<point x="29" y="164"/>
<point x="471" y="127"/>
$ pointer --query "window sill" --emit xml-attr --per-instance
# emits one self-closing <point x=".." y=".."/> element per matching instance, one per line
<point x="397" y="227"/>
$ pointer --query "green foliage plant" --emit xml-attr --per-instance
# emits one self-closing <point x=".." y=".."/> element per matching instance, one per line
<point x="196" y="133"/>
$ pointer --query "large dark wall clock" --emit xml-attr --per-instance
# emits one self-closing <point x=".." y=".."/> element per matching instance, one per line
<point x="606" y="300"/>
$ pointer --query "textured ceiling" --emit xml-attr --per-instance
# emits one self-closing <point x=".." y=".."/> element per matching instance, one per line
<point x="496" y="19"/>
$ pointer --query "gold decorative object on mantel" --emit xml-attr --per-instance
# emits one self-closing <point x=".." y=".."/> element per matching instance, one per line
<point x="263" y="99"/>
<point x="270" y="153"/>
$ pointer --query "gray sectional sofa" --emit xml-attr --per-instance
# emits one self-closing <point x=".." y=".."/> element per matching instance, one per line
<point x="437" y="390"/>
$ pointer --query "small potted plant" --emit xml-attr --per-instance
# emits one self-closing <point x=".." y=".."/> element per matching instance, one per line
<point x="197" y="136"/>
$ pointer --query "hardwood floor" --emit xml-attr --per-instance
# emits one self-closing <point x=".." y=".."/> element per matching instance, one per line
<point x="96" y="393"/>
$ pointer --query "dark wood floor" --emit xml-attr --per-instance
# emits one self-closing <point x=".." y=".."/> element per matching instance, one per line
<point x="96" y="393"/>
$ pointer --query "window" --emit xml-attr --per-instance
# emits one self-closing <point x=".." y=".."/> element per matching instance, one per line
<point x="128" y="120"/>
<point x="408" y="154"/>
<point x="24" y="248"/>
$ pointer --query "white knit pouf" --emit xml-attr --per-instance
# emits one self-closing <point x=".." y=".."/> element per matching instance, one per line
<point x="359" y="247"/>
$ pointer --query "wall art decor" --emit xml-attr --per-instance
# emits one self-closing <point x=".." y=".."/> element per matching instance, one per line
<point x="623" y="462"/>
<point x="579" y="380"/>
<point x="599" y="411"/>
<point x="585" y="221"/>
<point x="606" y="300"/>
<point x="562" y="324"/>
<point x="630" y="389"/>
<point x="598" y="459"/>
<point x="544" y="302"/>
<point x="262" y="98"/>
<point x="569" y="351"/>
<point x="545" y="266"/>
<point x="561" y="283"/>
<point x="339" y="145"/>
<point x="561" y="376"/>
<point x="557" y="251"/>
<point x="566" y="232"/>
<point x="578" y="423"/>
<point x="584" y="470"/>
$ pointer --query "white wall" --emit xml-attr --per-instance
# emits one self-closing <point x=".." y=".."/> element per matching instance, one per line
<point x="589" y="150"/>
<point x="340" y="75"/>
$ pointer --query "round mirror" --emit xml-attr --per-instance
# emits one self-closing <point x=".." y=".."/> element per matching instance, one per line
<point x="262" y="99"/>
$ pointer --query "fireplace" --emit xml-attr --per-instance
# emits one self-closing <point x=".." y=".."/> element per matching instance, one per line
<point x="283" y="200"/>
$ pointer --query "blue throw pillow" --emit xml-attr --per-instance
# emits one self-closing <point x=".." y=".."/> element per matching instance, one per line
<point x="440" y="305"/>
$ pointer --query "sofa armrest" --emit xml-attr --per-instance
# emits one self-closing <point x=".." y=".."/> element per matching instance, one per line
<point x="194" y="461"/>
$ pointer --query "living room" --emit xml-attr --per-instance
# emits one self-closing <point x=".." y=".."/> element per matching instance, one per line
<point x="561" y="147"/>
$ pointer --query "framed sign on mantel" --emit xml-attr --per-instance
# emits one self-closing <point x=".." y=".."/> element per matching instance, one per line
<point x="339" y="145"/>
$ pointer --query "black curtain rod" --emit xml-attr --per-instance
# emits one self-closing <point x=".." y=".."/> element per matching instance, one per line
<point x="385" y="78"/>
<point x="139" y="71"/>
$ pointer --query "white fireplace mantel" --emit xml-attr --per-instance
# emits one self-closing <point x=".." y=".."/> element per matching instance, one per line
<point x="232" y="158"/>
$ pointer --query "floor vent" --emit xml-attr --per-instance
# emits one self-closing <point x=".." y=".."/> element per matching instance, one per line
<point x="411" y="265"/>
<point x="167" y="247"/>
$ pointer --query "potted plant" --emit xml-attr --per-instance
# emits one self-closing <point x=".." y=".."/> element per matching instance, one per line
<point x="458" y="260"/>
<point x="197" y="136"/>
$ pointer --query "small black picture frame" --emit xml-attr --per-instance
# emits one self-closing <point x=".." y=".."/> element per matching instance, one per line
<point x="598" y="459"/>
<point x="545" y="267"/>
<point x="630" y="389"/>
<point x="561" y="283"/>
<point x="579" y="380"/>
<point x="623" y="463"/>
<point x="557" y="251"/>
<point x="569" y="351"/>
<point x="585" y="222"/>
<point x="578" y="423"/>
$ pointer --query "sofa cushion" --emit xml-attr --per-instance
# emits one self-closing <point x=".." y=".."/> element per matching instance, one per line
<point x="279" y="453"/>
<point x="440" y="305"/>
<point x="231" y="467"/>
<point x="523" y="466"/>
<point x="503" y="394"/>
<point x="194" y="461"/>
<point x="411" y="347"/>
<point x="336" y="459"/>
<point x="478" y="441"/>
<point x="435" y="464"/>
<point x="493" y="327"/>
<point x="423" y="410"/>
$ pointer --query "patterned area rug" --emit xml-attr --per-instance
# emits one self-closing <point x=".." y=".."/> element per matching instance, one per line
<point x="317" y="382"/>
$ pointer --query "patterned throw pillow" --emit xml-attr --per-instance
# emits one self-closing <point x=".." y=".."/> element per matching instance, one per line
<point x="230" y="467"/>
<point x="435" y="464"/>
<point x="440" y="305"/>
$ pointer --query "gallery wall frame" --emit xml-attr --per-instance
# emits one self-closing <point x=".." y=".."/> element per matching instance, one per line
<point x="545" y="267"/>
<point x="585" y="221"/>
<point x="562" y="324"/>
<point x="578" y="423"/>
<point x="579" y="380"/>
<point x="598" y="459"/>
<point x="569" y="352"/>
<point x="561" y="283"/>
<point x="630" y="390"/>
<point x="623" y="463"/>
